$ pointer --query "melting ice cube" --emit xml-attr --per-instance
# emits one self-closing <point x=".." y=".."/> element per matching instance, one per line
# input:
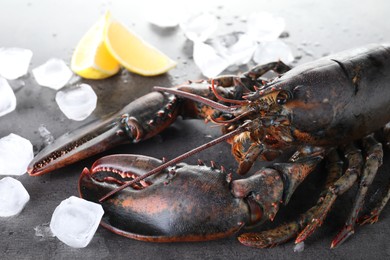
<point x="43" y="230"/>
<point x="199" y="27"/>
<point x="75" y="221"/>
<point x="47" y="137"/>
<point x="15" y="154"/>
<point x="13" y="197"/>
<point x="215" y="55"/>
<point x="77" y="102"/>
<point x="53" y="74"/>
<point x="7" y="97"/>
<point x="263" y="26"/>
<point x="237" y="47"/>
<point x="14" y="62"/>
<point x="273" y="51"/>
<point x="208" y="60"/>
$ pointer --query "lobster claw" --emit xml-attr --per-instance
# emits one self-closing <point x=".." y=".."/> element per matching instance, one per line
<point x="139" y="120"/>
<point x="184" y="203"/>
<point x="77" y="145"/>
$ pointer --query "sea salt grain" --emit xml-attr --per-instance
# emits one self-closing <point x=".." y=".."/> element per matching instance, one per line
<point x="75" y="221"/>
<point x="7" y="98"/>
<point x="13" y="197"/>
<point x="15" y="154"/>
<point x="53" y="74"/>
<point x="14" y="62"/>
<point x="300" y="247"/>
<point x="77" y="102"/>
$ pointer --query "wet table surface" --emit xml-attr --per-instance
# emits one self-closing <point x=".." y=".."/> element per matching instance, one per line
<point x="53" y="28"/>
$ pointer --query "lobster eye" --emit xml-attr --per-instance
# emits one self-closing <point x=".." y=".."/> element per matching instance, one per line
<point x="282" y="97"/>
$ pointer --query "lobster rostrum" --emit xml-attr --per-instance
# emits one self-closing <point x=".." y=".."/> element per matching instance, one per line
<point x="334" y="108"/>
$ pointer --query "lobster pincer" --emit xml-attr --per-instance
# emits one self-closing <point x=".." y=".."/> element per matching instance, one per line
<point x="132" y="124"/>
<point x="182" y="203"/>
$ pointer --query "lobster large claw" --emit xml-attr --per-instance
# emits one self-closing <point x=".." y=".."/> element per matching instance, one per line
<point x="183" y="203"/>
<point x="139" y="120"/>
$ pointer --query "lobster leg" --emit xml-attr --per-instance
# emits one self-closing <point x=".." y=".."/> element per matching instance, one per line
<point x="373" y="216"/>
<point x="386" y="132"/>
<point x="314" y="217"/>
<point x="248" y="159"/>
<point x="341" y="185"/>
<point x="373" y="161"/>
<point x="287" y="231"/>
<point x="277" y="66"/>
<point x="249" y="79"/>
<point x="293" y="173"/>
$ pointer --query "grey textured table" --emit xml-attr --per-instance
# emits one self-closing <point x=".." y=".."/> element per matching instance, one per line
<point x="53" y="28"/>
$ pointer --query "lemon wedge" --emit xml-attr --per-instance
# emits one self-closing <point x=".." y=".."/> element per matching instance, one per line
<point x="133" y="53"/>
<point x="91" y="58"/>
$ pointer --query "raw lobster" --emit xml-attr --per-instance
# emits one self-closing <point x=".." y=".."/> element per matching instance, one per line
<point x="334" y="106"/>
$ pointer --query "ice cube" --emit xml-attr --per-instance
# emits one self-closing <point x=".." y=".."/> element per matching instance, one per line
<point x="47" y="137"/>
<point x="263" y="26"/>
<point x="77" y="102"/>
<point x="15" y="154"/>
<point x="199" y="27"/>
<point x="242" y="51"/>
<point x="75" y="221"/>
<point x="208" y="61"/>
<point x="43" y="231"/>
<point x="13" y="197"/>
<point x="236" y="47"/>
<point x="14" y="62"/>
<point x="273" y="51"/>
<point x="7" y="98"/>
<point x="53" y="74"/>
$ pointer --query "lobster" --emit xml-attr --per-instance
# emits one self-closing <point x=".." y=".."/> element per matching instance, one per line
<point x="334" y="109"/>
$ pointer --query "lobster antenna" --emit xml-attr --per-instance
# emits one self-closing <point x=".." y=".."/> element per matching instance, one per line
<point x="198" y="98"/>
<point x="176" y="160"/>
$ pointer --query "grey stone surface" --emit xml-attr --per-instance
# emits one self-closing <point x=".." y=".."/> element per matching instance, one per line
<point x="53" y="28"/>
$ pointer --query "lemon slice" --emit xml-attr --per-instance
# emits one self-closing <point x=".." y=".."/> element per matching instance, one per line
<point x="91" y="58"/>
<point x="133" y="53"/>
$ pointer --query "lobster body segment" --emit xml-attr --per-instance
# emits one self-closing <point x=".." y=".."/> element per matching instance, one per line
<point x="339" y="98"/>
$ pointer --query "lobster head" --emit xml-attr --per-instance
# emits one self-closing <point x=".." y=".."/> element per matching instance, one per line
<point x="291" y="110"/>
